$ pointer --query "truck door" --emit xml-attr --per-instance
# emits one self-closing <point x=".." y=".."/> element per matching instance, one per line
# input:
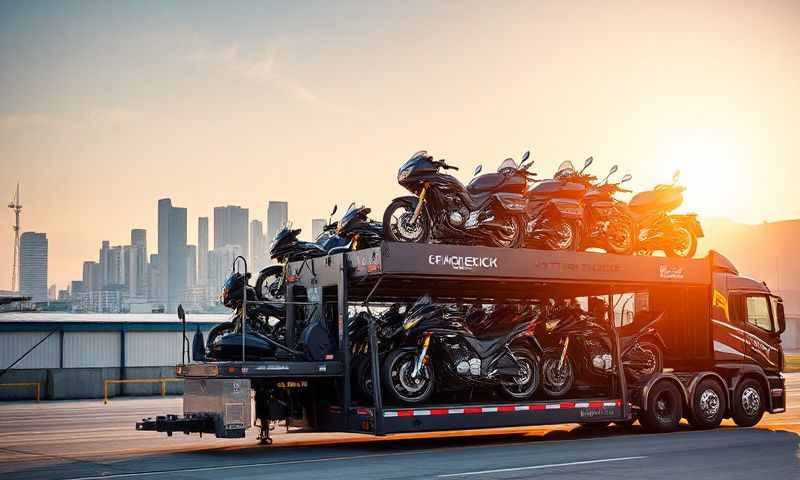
<point x="761" y="339"/>
<point x="727" y="329"/>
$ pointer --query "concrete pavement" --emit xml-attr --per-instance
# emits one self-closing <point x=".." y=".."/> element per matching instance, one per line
<point x="85" y="439"/>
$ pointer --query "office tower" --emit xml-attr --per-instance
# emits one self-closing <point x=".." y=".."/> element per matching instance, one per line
<point x="191" y="266"/>
<point x="153" y="278"/>
<point x="92" y="277"/>
<point x="230" y="227"/>
<point x="105" y="266"/>
<point x="137" y="264"/>
<point x="171" y="253"/>
<point x="115" y="267"/>
<point x="33" y="266"/>
<point x="317" y="225"/>
<point x="202" y="250"/>
<point x="220" y="265"/>
<point x="258" y="246"/>
<point x="75" y="287"/>
<point x="52" y="292"/>
<point x="277" y="217"/>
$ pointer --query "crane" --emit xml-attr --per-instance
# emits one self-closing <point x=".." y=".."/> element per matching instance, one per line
<point x="15" y="205"/>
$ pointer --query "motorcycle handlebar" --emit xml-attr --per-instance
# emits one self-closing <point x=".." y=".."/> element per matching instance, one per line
<point x="445" y="166"/>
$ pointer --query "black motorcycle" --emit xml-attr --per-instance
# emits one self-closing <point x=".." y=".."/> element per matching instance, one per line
<point x="675" y="235"/>
<point x="554" y="213"/>
<point x="354" y="231"/>
<point x="389" y="332"/>
<point x="577" y="347"/>
<point x="441" y="353"/>
<point x="488" y="211"/>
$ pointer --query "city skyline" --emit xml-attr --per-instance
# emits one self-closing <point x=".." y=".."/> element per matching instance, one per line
<point x="105" y="108"/>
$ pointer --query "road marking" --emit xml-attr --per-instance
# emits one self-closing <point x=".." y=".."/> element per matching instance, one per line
<point x="537" y="467"/>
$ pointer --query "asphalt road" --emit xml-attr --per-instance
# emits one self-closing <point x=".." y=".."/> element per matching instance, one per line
<point x="88" y="440"/>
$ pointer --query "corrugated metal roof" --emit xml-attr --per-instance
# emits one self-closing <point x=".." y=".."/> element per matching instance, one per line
<point x="63" y="317"/>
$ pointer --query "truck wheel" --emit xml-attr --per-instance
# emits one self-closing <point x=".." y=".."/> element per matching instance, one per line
<point x="708" y="405"/>
<point x="664" y="408"/>
<point x="748" y="406"/>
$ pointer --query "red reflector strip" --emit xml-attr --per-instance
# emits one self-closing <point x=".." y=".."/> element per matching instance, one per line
<point x="502" y="408"/>
<point x="373" y="267"/>
<point x="291" y="278"/>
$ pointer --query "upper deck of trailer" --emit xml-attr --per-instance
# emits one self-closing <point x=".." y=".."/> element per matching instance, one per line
<point x="399" y="269"/>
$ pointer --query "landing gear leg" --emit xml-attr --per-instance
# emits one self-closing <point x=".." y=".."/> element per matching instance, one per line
<point x="263" y="435"/>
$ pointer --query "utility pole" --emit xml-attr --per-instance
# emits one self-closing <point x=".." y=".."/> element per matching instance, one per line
<point x="14" y="205"/>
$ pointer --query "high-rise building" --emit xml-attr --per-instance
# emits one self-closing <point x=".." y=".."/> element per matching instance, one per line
<point x="137" y="264"/>
<point x="75" y="287"/>
<point x="115" y="267"/>
<point x="277" y="218"/>
<point x="92" y="277"/>
<point x="105" y="265"/>
<point x="317" y="226"/>
<point x="258" y="246"/>
<point x="230" y="227"/>
<point x="202" y="250"/>
<point x="191" y="266"/>
<point x="220" y="264"/>
<point x="33" y="266"/>
<point x="171" y="253"/>
<point x="52" y="292"/>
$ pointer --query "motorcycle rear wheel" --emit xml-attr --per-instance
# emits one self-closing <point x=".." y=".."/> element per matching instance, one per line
<point x="689" y="243"/>
<point x="620" y="236"/>
<point x="565" y="236"/>
<point x="514" y="238"/>
<point x="397" y="225"/>
<point x="269" y="284"/>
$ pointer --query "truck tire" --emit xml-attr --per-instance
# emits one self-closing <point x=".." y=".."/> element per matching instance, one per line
<point x="664" y="408"/>
<point x="708" y="405"/>
<point x="748" y="403"/>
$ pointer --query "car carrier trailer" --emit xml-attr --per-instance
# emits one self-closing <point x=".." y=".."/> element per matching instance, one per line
<point x="722" y="359"/>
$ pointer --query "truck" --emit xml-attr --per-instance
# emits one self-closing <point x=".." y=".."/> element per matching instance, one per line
<point x="721" y="332"/>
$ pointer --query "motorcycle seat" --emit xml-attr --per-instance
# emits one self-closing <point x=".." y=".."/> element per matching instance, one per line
<point x="488" y="344"/>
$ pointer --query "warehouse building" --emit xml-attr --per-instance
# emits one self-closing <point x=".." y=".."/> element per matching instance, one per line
<point x="76" y="352"/>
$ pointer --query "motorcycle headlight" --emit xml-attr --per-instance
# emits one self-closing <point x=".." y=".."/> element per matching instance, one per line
<point x="403" y="174"/>
<point x="551" y="324"/>
<point x="410" y="322"/>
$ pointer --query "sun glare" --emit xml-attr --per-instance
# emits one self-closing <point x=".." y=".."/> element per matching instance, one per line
<point x="708" y="170"/>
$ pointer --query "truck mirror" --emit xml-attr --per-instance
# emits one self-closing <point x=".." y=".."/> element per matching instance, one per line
<point x="781" y="318"/>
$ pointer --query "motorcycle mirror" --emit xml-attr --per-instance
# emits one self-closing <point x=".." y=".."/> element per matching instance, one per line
<point x="478" y="169"/>
<point x="587" y="163"/>
<point x="335" y="207"/>
<point x="525" y="156"/>
<point x="676" y="176"/>
<point x="626" y="178"/>
<point x="613" y="170"/>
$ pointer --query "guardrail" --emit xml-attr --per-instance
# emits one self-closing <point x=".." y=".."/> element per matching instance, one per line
<point x="162" y="381"/>
<point x="37" y="387"/>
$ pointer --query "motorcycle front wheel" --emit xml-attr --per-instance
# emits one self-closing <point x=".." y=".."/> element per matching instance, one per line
<point x="397" y="369"/>
<point x="269" y="284"/>
<point x="523" y="386"/>
<point x="557" y="382"/>
<point x="398" y="225"/>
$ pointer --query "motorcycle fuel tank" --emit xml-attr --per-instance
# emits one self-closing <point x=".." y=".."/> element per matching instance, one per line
<point x="556" y="188"/>
<point x="497" y="182"/>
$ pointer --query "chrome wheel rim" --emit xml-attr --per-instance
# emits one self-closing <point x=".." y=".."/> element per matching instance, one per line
<point x="619" y="236"/>
<point x="506" y="235"/>
<point x="556" y="378"/>
<point x="664" y="407"/>
<point x="685" y="241"/>
<point x="563" y="237"/>
<point x="751" y="401"/>
<point x="709" y="404"/>
<point x="403" y="228"/>
<point x="407" y="387"/>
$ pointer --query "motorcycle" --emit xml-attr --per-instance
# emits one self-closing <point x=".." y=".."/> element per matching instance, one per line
<point x="389" y="330"/>
<point x="577" y="345"/>
<point x="488" y="211"/>
<point x="554" y="211"/>
<point x="606" y="221"/>
<point x="440" y="352"/>
<point x="354" y="231"/>
<point x="675" y="235"/>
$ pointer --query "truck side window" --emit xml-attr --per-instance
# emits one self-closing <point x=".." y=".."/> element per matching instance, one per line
<point x="758" y="312"/>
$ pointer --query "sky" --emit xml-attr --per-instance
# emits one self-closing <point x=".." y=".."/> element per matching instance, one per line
<point x="107" y="106"/>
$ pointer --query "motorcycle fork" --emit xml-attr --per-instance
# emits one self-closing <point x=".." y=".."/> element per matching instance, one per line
<point x="422" y="356"/>
<point x="419" y="204"/>
<point x="563" y="353"/>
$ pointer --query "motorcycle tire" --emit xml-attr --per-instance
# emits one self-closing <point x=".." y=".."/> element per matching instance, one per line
<point x="623" y="241"/>
<point x="568" y="233"/>
<point x="513" y="241"/>
<point x="509" y="390"/>
<point x="690" y="250"/>
<point x="392" y="233"/>
<point x="555" y="383"/>
<point x="397" y="368"/>
<point x="265" y="280"/>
